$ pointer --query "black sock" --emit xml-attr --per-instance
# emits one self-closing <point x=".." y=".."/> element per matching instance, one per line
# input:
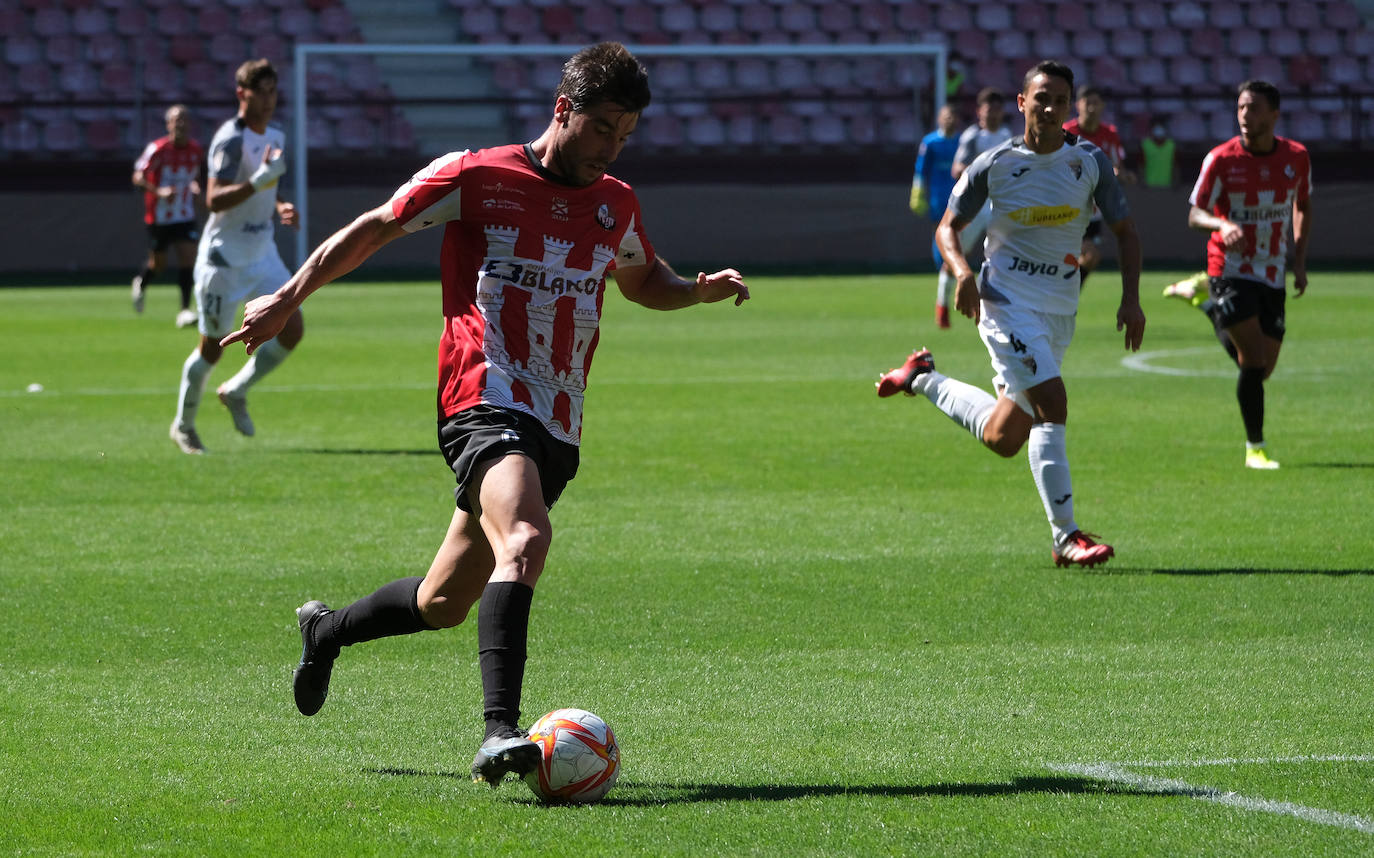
<point x="185" y="282"/>
<point x="391" y="610"/>
<point x="503" y="622"/>
<point x="1250" y="394"/>
<point x="145" y="276"/>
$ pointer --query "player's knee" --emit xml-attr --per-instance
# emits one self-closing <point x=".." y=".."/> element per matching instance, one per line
<point x="443" y="612"/>
<point x="1003" y="443"/>
<point x="526" y="547"/>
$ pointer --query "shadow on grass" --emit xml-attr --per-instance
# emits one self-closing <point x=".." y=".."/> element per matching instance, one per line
<point x="1227" y="570"/>
<point x="631" y="794"/>
<point x="1334" y="465"/>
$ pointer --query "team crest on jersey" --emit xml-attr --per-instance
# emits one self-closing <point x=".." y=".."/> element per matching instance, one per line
<point x="1029" y="363"/>
<point x="1077" y="167"/>
<point x="1289" y="171"/>
<point x="604" y="217"/>
<point x="558" y="209"/>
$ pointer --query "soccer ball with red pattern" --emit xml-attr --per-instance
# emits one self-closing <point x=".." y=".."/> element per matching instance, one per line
<point x="580" y="758"/>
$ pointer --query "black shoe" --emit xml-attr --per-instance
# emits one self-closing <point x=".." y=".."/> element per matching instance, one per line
<point x="310" y="680"/>
<point x="506" y="750"/>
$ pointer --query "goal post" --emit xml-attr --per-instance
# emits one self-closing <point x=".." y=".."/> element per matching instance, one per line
<point x="936" y="53"/>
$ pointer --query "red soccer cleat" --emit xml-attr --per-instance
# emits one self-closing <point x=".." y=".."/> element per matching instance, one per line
<point x="898" y="380"/>
<point x="1080" y="549"/>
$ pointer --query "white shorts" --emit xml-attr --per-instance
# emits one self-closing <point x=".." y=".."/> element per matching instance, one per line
<point x="221" y="289"/>
<point x="1026" y="346"/>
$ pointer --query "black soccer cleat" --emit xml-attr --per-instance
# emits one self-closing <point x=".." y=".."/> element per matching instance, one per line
<point x="310" y="680"/>
<point x="504" y="751"/>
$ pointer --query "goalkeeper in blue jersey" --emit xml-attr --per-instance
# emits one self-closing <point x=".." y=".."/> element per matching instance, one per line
<point x="930" y="188"/>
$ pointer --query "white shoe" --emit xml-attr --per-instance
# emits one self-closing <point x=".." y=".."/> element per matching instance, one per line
<point x="186" y="318"/>
<point x="186" y="439"/>
<point x="238" y="409"/>
<point x="137" y="291"/>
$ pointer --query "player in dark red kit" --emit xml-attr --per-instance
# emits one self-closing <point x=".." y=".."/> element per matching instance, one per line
<point x="1251" y="189"/>
<point x="169" y="171"/>
<point x="530" y="233"/>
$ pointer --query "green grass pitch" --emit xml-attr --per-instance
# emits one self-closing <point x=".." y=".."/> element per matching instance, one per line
<point x="820" y="623"/>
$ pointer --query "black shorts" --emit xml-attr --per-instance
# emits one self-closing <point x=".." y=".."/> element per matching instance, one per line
<point x="1234" y="300"/>
<point x="484" y="432"/>
<point x="163" y="235"/>
<point x="1094" y="231"/>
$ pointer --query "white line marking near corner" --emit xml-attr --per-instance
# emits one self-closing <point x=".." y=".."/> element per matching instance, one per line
<point x="1116" y="773"/>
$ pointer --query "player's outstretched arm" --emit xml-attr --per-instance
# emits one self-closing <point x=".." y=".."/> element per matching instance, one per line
<point x="1129" y="316"/>
<point x="342" y="252"/>
<point x="658" y="287"/>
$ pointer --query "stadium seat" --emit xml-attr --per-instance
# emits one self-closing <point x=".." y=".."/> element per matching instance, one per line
<point x="971" y="43"/>
<point x="258" y="20"/>
<point x="79" y="80"/>
<point x="836" y="77"/>
<point x="827" y="129"/>
<point x="519" y="23"/>
<point x="61" y="136"/>
<point x="480" y="22"/>
<point x="876" y="18"/>
<point x="1205" y="43"/>
<point x="742" y="131"/>
<point x="1343" y="17"/>
<point x="60" y="50"/>
<point x="337" y="24"/>
<point x="319" y="131"/>
<point x="1360" y="43"/>
<point x="1010" y="43"/>
<point x="131" y="21"/>
<point x="1244" y="42"/>
<point x="664" y="130"/>
<point x="206" y="80"/>
<point x="1128" y="43"/>
<point x="1305" y="70"/>
<point x="1149" y="16"/>
<point x="711" y="75"/>
<point x="1149" y="72"/>
<point x="1266" y="67"/>
<point x="35" y="80"/>
<point x="270" y="45"/>
<point x="117" y="80"/>
<point x="786" y="129"/>
<point x="226" y="47"/>
<point x="21" y="136"/>
<point x="706" y="131"/>
<point x="950" y="17"/>
<point x="994" y="17"/>
<point x="105" y="48"/>
<point x="1226" y="15"/>
<point x="1188" y="128"/>
<point x="1031" y="17"/>
<point x="1221" y="125"/>
<point x="1071" y="17"/>
<point x="1187" y="72"/>
<point x="753" y="75"/>
<point x="174" y="21"/>
<point x="914" y="19"/>
<point x="1325" y="43"/>
<point x="1285" y="43"/>
<point x="1227" y="71"/>
<point x="797" y="19"/>
<point x="185" y="49"/>
<point x="22" y="50"/>
<point x="102" y="135"/>
<point x="1302" y="16"/>
<point x="90" y="21"/>
<point x="1089" y="44"/>
<point x="1111" y="16"/>
<point x="49" y="21"/>
<point x="1108" y="73"/>
<point x="1344" y="70"/>
<point x="863" y="129"/>
<point x="1187" y="15"/>
<point x="214" y="19"/>
<point x="1304" y="125"/>
<point x="600" y="21"/>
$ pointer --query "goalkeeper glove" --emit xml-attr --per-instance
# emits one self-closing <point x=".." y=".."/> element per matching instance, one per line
<point x="920" y="203"/>
<point x="271" y="169"/>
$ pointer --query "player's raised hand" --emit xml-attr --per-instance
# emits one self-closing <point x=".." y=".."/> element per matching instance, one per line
<point x="263" y="319"/>
<point x="722" y="284"/>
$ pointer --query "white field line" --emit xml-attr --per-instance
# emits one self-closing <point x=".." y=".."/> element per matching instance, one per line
<point x="1143" y="362"/>
<point x="1116" y="773"/>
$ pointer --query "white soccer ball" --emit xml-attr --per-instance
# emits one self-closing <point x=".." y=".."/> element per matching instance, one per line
<point x="580" y="758"/>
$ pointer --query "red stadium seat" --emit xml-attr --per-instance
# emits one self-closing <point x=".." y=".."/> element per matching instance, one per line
<point x="664" y="130"/>
<point x="336" y="23"/>
<point x="117" y="80"/>
<point x="36" y="81"/>
<point x="1072" y="17"/>
<point x="1305" y="70"/>
<point x="863" y="129"/>
<point x="1031" y="17"/>
<point x="1108" y="73"/>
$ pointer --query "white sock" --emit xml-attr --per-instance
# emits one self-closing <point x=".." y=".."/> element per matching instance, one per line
<point x="946" y="289"/>
<point x="266" y="358"/>
<point x="965" y="404"/>
<point x="193" y="375"/>
<point x="1049" y="462"/>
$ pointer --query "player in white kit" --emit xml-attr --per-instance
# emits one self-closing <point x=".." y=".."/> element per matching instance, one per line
<point x="237" y="258"/>
<point x="1042" y="189"/>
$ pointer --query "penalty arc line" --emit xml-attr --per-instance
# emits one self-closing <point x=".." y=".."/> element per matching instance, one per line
<point x="1116" y="774"/>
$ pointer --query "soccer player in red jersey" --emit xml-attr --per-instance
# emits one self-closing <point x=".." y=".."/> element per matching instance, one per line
<point x="169" y="171"/>
<point x="1088" y="125"/>
<point x="530" y="233"/>
<point x="1251" y="190"/>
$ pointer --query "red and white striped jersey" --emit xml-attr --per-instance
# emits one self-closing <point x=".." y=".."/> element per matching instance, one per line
<point x="1105" y="137"/>
<point x="1256" y="192"/>
<point x="523" y="270"/>
<point x="162" y="165"/>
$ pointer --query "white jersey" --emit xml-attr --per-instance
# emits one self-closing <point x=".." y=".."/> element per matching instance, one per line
<point x="976" y="140"/>
<point x="1041" y="204"/>
<point x="242" y="234"/>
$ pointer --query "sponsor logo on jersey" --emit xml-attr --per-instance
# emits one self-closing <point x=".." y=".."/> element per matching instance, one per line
<point x="1027" y="266"/>
<point x="558" y="209"/>
<point x="502" y="187"/>
<point x="504" y="205"/>
<point x="1019" y="172"/>
<point x="604" y="217"/>
<point x="252" y="228"/>
<point x="1044" y="215"/>
<point x="1259" y="214"/>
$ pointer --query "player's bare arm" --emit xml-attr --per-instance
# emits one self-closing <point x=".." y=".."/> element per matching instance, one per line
<point x="966" y="299"/>
<point x="1129" y="316"/>
<point x="339" y="254"/>
<point x="1302" y="231"/>
<point x="225" y="195"/>
<point x="1231" y="234"/>
<point x="658" y="287"/>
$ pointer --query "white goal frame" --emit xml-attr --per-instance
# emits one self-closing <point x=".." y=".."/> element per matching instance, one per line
<point x="937" y="51"/>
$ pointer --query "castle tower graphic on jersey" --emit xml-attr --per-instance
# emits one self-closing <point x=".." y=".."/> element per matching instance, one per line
<point x="523" y="269"/>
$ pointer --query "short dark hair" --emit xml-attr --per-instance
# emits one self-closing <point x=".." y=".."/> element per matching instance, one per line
<point x="1264" y="88"/>
<point x="606" y="72"/>
<point x="989" y="94"/>
<point x="1087" y="89"/>
<point x="254" y="72"/>
<point x="1050" y="68"/>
